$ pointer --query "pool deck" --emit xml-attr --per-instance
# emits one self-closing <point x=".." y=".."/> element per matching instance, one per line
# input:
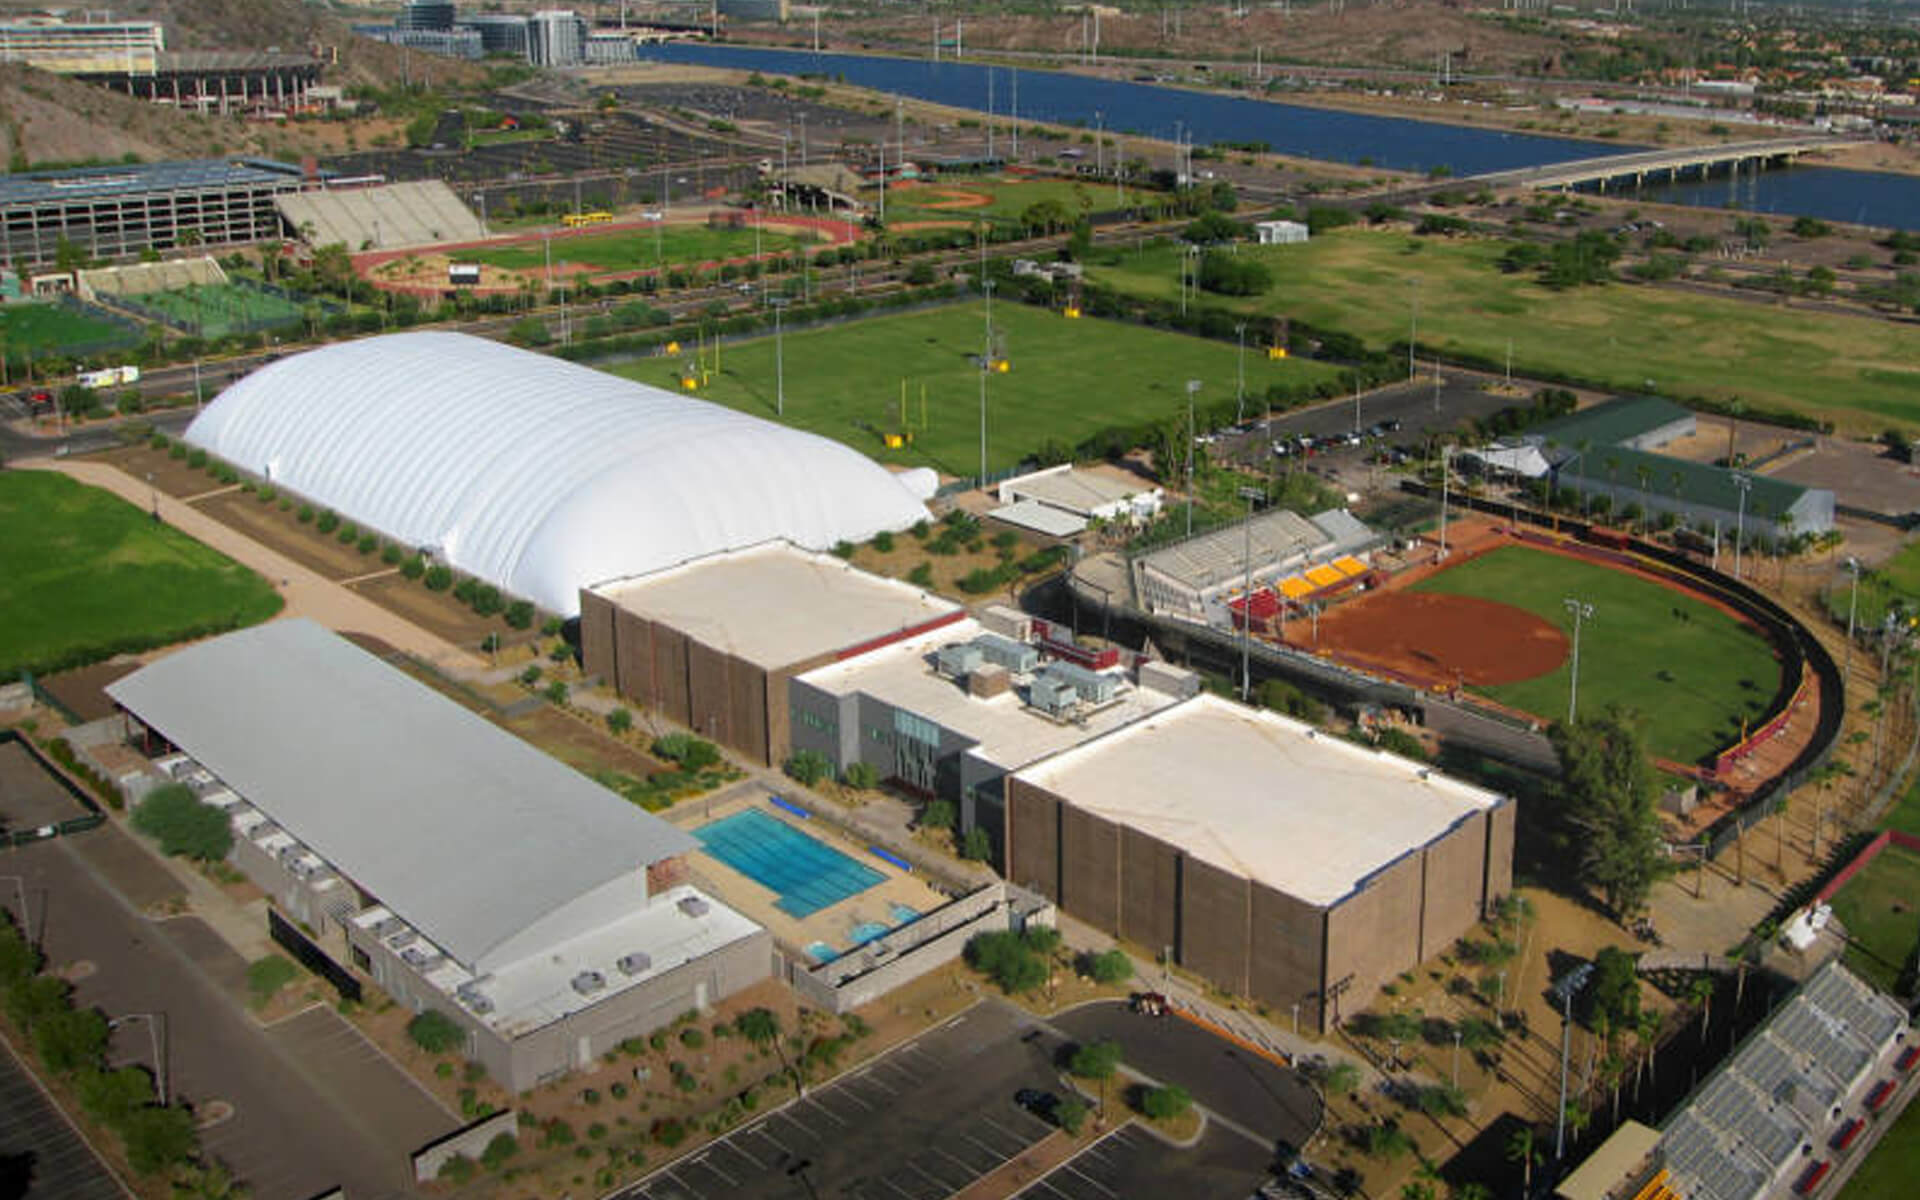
<point x="833" y="924"/>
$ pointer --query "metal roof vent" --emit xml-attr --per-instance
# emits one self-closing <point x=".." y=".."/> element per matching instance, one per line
<point x="695" y="906"/>
<point x="589" y="982"/>
<point x="636" y="963"/>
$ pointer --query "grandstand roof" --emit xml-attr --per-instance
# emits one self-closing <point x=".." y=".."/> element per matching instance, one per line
<point x="537" y="475"/>
<point x="1262" y="796"/>
<point x="84" y="183"/>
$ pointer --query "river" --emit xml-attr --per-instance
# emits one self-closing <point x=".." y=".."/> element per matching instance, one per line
<point x="1329" y="135"/>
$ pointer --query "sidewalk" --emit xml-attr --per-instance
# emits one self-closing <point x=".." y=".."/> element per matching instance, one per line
<point x="307" y="592"/>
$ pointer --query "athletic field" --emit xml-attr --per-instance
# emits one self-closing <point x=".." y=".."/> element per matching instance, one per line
<point x="1065" y="381"/>
<point x="1881" y="909"/>
<point x="96" y="576"/>
<point x="1691" y="670"/>
<point x="635" y="250"/>
<point x="55" y="327"/>
<point x="995" y="199"/>
<point x="217" y="309"/>
<point x="1859" y="371"/>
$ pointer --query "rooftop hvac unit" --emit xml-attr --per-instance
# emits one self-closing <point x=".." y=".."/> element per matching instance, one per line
<point x="387" y="925"/>
<point x="1007" y="622"/>
<point x="421" y="957"/>
<point x="1091" y="686"/>
<point x="1017" y="657"/>
<point x="988" y="680"/>
<point x="476" y="1000"/>
<point x="1167" y="678"/>
<point x="1053" y="695"/>
<point x="694" y="906"/>
<point x="956" y="661"/>
<point x="637" y="963"/>
<point x="589" y="982"/>
<point x="402" y="938"/>
<point x="173" y="766"/>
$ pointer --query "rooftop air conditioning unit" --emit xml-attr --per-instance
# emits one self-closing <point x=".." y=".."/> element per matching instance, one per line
<point x="589" y="982"/>
<point x="636" y="963"/>
<point x="477" y="1002"/>
<point x="694" y="906"/>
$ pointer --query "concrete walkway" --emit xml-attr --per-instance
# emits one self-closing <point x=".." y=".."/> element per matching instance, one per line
<point x="307" y="592"/>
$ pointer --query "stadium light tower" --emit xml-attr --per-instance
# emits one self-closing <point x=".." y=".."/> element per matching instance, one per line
<point x="1564" y="991"/>
<point x="1853" y="603"/>
<point x="1743" y="483"/>
<point x="1250" y="495"/>
<point x="1413" y="326"/>
<point x="986" y="368"/>
<point x="779" y="358"/>
<point x="1193" y="386"/>
<point x="1240" y="375"/>
<point x="1582" y="611"/>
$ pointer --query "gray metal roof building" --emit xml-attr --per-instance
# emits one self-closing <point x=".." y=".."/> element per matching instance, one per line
<point x="482" y="843"/>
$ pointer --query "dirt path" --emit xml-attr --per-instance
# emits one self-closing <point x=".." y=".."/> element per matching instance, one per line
<point x="307" y="593"/>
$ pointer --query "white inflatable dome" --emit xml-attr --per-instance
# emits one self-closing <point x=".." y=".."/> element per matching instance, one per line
<point x="535" y="474"/>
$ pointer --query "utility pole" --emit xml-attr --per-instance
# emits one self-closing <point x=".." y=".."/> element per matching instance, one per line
<point x="1582" y="611"/>
<point x="1446" y="481"/>
<point x="1743" y="483"/>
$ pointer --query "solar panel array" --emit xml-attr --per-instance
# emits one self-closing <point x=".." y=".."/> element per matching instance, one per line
<point x="1753" y="1119"/>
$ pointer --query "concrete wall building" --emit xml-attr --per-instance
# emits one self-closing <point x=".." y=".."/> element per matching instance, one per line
<point x="1089" y="494"/>
<point x="1280" y="233"/>
<point x="607" y="48"/>
<point x="1700" y="495"/>
<point x="500" y="33"/>
<point x="1274" y="861"/>
<point x="82" y="47"/>
<point x="556" y="38"/>
<point x="1200" y="577"/>
<point x="111" y="212"/>
<point x="458" y="867"/>
<point x="425" y="14"/>
<point x="711" y="643"/>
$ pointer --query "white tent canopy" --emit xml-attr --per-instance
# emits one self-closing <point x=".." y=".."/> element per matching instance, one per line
<point x="537" y="475"/>
<point x="1524" y="460"/>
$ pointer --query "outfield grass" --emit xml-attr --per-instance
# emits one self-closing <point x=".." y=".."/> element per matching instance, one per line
<point x="1068" y="380"/>
<point x="1897" y="581"/>
<point x="84" y="574"/>
<point x="1857" y="371"/>
<point x="1889" y="1172"/>
<point x="1006" y="199"/>
<point x="1881" y="909"/>
<point x="1905" y="815"/>
<point x="635" y="251"/>
<point x="55" y="327"/>
<point x="1689" y="669"/>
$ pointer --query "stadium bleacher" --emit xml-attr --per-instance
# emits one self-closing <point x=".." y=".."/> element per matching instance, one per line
<point x="394" y="216"/>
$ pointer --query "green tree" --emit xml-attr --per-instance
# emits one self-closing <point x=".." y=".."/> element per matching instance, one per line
<point x="158" y="1138"/>
<point x="435" y="1032"/>
<point x="1109" y="967"/>
<point x="1607" y="795"/>
<point x="809" y="767"/>
<point x="1614" y="995"/>
<point x="503" y="1147"/>
<point x="938" y="814"/>
<point x="70" y="1040"/>
<point x="110" y="1097"/>
<point x="1095" y="1060"/>
<point x="1166" y="1103"/>
<point x="758" y="1025"/>
<point x="1522" y="1148"/>
<point x="1008" y="960"/>
<point x="1233" y="275"/>
<point x="976" y="846"/>
<point x="1071" y="1112"/>
<point x="1388" y="1141"/>
<point x="173" y="816"/>
<point x="1340" y="1078"/>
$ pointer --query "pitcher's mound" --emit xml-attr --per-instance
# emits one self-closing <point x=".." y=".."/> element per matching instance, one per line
<point x="1439" y="638"/>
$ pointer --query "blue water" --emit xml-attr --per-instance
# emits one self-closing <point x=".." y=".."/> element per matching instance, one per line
<point x="822" y="952"/>
<point x="809" y="875"/>
<point x="903" y="913"/>
<point x="1057" y="98"/>
<point x="867" y="931"/>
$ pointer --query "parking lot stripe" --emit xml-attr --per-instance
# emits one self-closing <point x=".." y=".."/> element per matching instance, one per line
<point x="818" y="1105"/>
<point x="766" y="1133"/>
<point x="675" y="1176"/>
<point x="734" y="1145"/>
<point x="848" y="1093"/>
<point x="1103" y="1188"/>
<point x="706" y="1160"/>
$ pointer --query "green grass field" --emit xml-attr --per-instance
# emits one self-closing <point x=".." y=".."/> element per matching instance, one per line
<point x="1889" y="1172"/>
<point x="1692" y="676"/>
<point x="635" y="251"/>
<point x="215" y="310"/>
<point x="84" y="574"/>
<point x="1860" y="372"/>
<point x="1897" y="581"/>
<point x="1006" y="199"/>
<point x="1068" y="380"/>
<point x="55" y="327"/>
<point x="1881" y="909"/>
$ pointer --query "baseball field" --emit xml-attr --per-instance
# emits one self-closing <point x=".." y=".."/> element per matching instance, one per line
<point x="99" y="576"/>
<point x="996" y="199"/>
<point x="1691" y="669"/>
<point x="1881" y="909"/>
<point x="633" y="250"/>
<point x="916" y="373"/>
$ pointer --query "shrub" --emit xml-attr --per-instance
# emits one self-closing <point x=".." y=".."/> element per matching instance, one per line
<point x="348" y="533"/>
<point x="196" y="458"/>
<point x="808" y="767"/>
<point x="843" y="549"/>
<point x="266" y="976"/>
<point x="391" y="554"/>
<point x="1071" y="1112"/>
<point x="692" y="1038"/>
<point x="862" y="776"/>
<point x="305" y="515"/>
<point x="938" y="814"/>
<point x="458" y="1170"/>
<point x="1166" y="1103"/>
<point x="1096" y="1060"/>
<point x="921" y="575"/>
<point x="414" y="567"/>
<point x="556" y="692"/>
<point x="368" y="543"/>
<point x="435" y="1032"/>
<point x="520" y="614"/>
<point x="1109" y="966"/>
<point x="620" y="720"/>
<point x="159" y="441"/>
<point x="503" y="1147"/>
<point x="976" y="846"/>
<point x="172" y="815"/>
<point x="1002" y="957"/>
<point x="531" y="675"/>
<point x="668" y="1132"/>
<point x="883" y="541"/>
<point x="327" y="522"/>
<point x="177" y="451"/>
<point x="438" y="579"/>
<point x="158" y="1139"/>
<point x="690" y="752"/>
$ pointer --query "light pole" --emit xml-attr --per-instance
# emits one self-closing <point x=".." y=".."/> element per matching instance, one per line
<point x="1246" y="616"/>
<point x="154" y="1022"/>
<point x="779" y="359"/>
<point x="1582" y="611"/>
<point x="1240" y="373"/>
<point x="1742" y="483"/>
<point x="986" y="368"/>
<point x="1853" y="602"/>
<point x="1413" y="328"/>
<point x="1193" y="386"/>
<point x="1570" y="984"/>
<point x="1446" y="481"/>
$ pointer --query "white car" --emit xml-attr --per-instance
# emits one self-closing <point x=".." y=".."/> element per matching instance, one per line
<point x="655" y="215"/>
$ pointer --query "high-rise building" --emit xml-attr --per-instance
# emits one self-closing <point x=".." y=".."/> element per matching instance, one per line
<point x="556" y="37"/>
<point x="500" y="33"/>
<point x="426" y="14"/>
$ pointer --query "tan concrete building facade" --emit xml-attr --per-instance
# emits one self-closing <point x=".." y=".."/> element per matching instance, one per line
<point x="1262" y="893"/>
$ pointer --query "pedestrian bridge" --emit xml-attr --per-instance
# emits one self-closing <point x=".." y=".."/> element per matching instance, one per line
<point x="1670" y="162"/>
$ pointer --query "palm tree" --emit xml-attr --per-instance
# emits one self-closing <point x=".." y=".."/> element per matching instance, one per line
<point x="1578" y="1118"/>
<point x="1613" y="484"/>
<point x="1700" y="992"/>
<point x="1646" y="1031"/>
<point x="1521" y="1149"/>
<point x="1645" y="475"/>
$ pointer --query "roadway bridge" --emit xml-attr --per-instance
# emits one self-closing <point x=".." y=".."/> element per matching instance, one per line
<point x="1671" y="162"/>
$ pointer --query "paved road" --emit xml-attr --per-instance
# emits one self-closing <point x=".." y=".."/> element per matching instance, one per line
<point x="918" y="1123"/>
<point x="41" y="1157"/>
<point x="1251" y="1091"/>
<point x="294" y="1133"/>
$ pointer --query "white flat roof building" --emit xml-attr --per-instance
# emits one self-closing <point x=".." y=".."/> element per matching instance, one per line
<point x="1261" y="795"/>
<point x="1089" y="493"/>
<point x="774" y="604"/>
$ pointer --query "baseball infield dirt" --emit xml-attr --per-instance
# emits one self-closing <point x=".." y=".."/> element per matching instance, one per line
<point x="1437" y="639"/>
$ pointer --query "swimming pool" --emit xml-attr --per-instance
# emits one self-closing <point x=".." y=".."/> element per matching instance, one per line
<point x="808" y="874"/>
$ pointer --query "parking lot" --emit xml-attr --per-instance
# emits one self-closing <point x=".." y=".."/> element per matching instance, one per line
<point x="1132" y="1162"/>
<point x="40" y="1154"/>
<point x="918" y="1123"/>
